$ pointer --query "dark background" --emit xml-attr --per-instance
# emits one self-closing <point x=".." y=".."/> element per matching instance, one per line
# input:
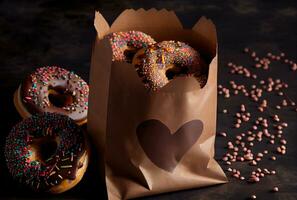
<point x="54" y="32"/>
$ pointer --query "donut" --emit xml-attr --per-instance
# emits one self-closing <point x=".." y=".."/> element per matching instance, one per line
<point x="125" y="44"/>
<point x="161" y="62"/>
<point x="53" y="89"/>
<point x="47" y="152"/>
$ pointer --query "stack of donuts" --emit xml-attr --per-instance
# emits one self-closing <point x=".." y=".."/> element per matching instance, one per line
<point x="48" y="150"/>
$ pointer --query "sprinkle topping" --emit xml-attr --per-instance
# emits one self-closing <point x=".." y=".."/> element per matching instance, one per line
<point x="130" y="40"/>
<point x="40" y="174"/>
<point x="36" y="89"/>
<point x="165" y="60"/>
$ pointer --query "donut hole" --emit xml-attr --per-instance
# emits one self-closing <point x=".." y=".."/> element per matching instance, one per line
<point x="60" y="96"/>
<point x="175" y="71"/>
<point x="129" y="54"/>
<point x="44" y="148"/>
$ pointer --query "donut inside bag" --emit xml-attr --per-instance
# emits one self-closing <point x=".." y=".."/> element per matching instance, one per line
<point x="125" y="44"/>
<point x="163" y="61"/>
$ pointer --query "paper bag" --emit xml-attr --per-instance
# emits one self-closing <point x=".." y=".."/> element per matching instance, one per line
<point x="153" y="142"/>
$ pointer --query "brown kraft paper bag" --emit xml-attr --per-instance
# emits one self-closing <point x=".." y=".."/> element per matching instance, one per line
<point x="153" y="142"/>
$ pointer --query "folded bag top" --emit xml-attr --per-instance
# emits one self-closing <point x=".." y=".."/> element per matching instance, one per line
<point x="153" y="142"/>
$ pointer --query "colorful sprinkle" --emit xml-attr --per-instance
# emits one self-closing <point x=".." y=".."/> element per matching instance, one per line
<point x="160" y="62"/>
<point x="128" y="41"/>
<point x="37" y="86"/>
<point x="37" y="173"/>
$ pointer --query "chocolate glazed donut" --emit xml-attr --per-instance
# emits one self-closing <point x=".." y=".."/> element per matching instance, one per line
<point x="53" y="89"/>
<point x="47" y="152"/>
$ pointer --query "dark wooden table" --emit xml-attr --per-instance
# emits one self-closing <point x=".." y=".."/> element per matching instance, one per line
<point x="52" y="32"/>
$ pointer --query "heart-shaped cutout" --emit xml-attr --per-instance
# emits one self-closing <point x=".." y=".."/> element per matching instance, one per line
<point x="164" y="149"/>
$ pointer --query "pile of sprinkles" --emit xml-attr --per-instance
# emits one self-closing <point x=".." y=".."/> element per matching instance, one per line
<point x="175" y="57"/>
<point x="38" y="174"/>
<point x="261" y="135"/>
<point x="130" y="40"/>
<point x="35" y="90"/>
